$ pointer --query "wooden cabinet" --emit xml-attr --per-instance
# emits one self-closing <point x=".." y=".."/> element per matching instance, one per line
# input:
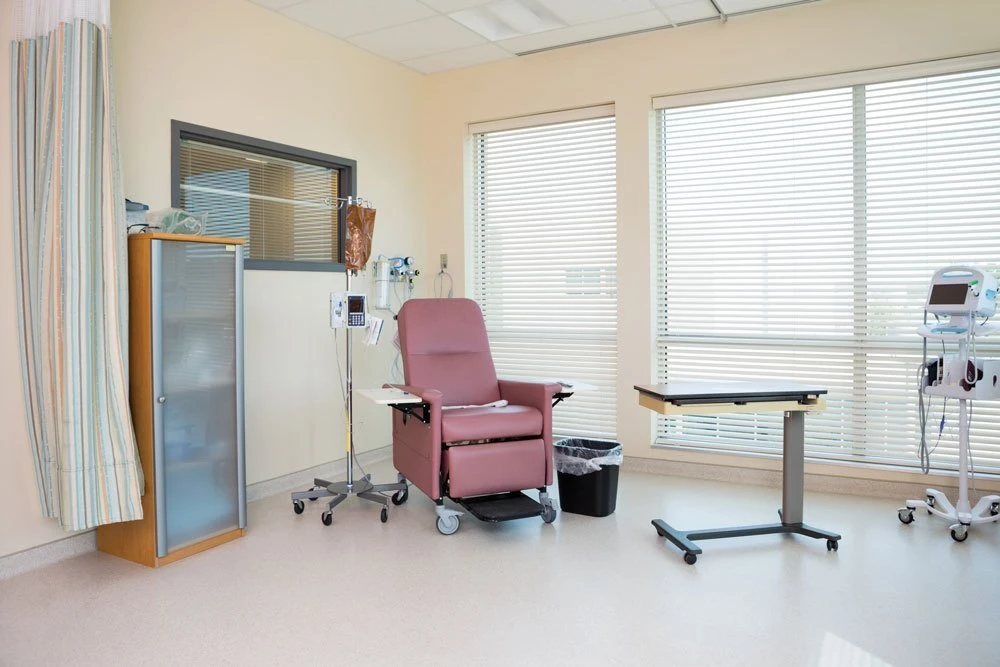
<point x="186" y="395"/>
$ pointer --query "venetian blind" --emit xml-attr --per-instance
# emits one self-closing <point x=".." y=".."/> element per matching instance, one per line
<point x="281" y="207"/>
<point x="797" y="235"/>
<point x="544" y="260"/>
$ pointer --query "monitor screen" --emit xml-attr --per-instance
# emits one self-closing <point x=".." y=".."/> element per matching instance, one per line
<point x="355" y="304"/>
<point x="949" y="294"/>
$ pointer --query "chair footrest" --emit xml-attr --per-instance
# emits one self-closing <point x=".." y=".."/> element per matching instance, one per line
<point x="501" y="506"/>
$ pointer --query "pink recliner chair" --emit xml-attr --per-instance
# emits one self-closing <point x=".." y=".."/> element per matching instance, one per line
<point x="475" y="439"/>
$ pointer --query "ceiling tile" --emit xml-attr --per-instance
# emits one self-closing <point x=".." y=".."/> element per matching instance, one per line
<point x="343" y="18"/>
<point x="508" y="18"/>
<point x="734" y="6"/>
<point x="449" y="6"/>
<point x="276" y="4"/>
<point x="474" y="55"/>
<point x="418" y="39"/>
<point x="576" y="12"/>
<point x="580" y="33"/>
<point x="686" y="12"/>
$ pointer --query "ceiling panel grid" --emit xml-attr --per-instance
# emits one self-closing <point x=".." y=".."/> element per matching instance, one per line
<point x="437" y="35"/>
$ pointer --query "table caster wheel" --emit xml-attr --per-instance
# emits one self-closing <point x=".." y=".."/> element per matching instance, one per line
<point x="690" y="558"/>
<point x="960" y="534"/>
<point x="905" y="515"/>
<point x="327" y="518"/>
<point x="832" y="545"/>
<point x="385" y="514"/>
<point x="298" y="506"/>
<point x="400" y="497"/>
<point x="447" y="525"/>
<point x="930" y="503"/>
<point x="994" y="509"/>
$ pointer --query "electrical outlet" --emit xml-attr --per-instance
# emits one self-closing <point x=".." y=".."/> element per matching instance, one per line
<point x="444" y="261"/>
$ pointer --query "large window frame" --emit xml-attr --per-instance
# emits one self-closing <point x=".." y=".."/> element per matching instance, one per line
<point x="854" y="80"/>
<point x="346" y="178"/>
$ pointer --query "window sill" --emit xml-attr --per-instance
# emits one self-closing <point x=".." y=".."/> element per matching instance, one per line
<point x="876" y="481"/>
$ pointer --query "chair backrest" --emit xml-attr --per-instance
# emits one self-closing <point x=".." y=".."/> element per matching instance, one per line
<point x="444" y="346"/>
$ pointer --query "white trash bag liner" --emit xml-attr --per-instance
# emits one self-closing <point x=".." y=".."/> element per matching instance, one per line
<point x="579" y="456"/>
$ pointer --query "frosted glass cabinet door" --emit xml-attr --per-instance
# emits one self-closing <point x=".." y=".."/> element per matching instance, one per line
<point x="197" y="382"/>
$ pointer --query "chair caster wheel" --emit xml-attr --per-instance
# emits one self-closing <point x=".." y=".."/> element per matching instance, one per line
<point x="315" y="488"/>
<point x="298" y="506"/>
<point x="327" y="518"/>
<point x="548" y="514"/>
<point x="400" y="497"/>
<point x="384" y="515"/>
<point x="960" y="534"/>
<point x="832" y="545"/>
<point x="690" y="558"/>
<point x="447" y="525"/>
<point x="905" y="515"/>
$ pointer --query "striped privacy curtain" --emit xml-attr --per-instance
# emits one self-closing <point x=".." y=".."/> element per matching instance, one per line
<point x="69" y="228"/>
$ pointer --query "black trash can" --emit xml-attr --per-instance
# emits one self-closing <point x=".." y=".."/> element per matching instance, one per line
<point x="588" y="475"/>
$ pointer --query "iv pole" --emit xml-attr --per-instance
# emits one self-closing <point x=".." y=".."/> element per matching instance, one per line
<point x="362" y="488"/>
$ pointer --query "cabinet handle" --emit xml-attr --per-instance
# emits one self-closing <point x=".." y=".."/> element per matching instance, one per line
<point x="161" y="399"/>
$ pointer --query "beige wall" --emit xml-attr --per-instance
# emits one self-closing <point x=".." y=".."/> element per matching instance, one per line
<point x="826" y="37"/>
<point x="232" y="65"/>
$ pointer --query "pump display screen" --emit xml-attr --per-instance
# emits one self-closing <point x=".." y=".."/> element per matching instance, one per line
<point x="948" y="295"/>
<point x="355" y="304"/>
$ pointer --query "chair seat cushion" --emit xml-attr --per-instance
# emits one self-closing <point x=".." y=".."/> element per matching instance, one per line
<point x="512" y="421"/>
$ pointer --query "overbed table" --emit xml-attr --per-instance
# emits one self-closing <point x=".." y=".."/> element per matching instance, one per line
<point x="704" y="398"/>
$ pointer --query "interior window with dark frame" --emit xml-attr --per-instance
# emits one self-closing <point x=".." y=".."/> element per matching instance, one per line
<point x="281" y="199"/>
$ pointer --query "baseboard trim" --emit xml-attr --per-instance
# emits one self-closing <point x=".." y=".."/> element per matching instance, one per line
<point x="854" y="486"/>
<point x="303" y="479"/>
<point x="84" y="542"/>
<point x="47" y="554"/>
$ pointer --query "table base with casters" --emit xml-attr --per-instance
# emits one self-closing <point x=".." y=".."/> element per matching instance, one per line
<point x="794" y="400"/>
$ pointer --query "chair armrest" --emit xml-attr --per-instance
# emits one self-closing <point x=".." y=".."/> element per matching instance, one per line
<point x="534" y="394"/>
<point x="537" y="395"/>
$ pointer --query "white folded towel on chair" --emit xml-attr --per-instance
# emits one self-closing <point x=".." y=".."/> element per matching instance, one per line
<point x="495" y="404"/>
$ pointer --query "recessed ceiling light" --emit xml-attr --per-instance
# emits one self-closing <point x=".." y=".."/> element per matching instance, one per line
<point x="508" y="18"/>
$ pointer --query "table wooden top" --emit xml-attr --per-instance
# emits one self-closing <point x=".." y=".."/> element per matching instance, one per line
<point x="729" y="392"/>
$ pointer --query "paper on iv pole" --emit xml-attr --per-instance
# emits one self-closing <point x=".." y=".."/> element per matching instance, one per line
<point x="373" y="330"/>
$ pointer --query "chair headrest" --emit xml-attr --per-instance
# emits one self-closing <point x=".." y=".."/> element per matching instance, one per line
<point x="442" y="326"/>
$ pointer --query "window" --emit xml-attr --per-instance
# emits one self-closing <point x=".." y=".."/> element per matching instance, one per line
<point x="544" y="258"/>
<point x="797" y="236"/>
<point x="281" y="199"/>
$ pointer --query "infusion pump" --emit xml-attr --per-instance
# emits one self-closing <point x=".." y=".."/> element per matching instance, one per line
<point x="348" y="310"/>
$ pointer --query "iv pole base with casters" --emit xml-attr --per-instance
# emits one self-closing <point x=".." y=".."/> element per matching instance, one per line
<point x="363" y="488"/>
